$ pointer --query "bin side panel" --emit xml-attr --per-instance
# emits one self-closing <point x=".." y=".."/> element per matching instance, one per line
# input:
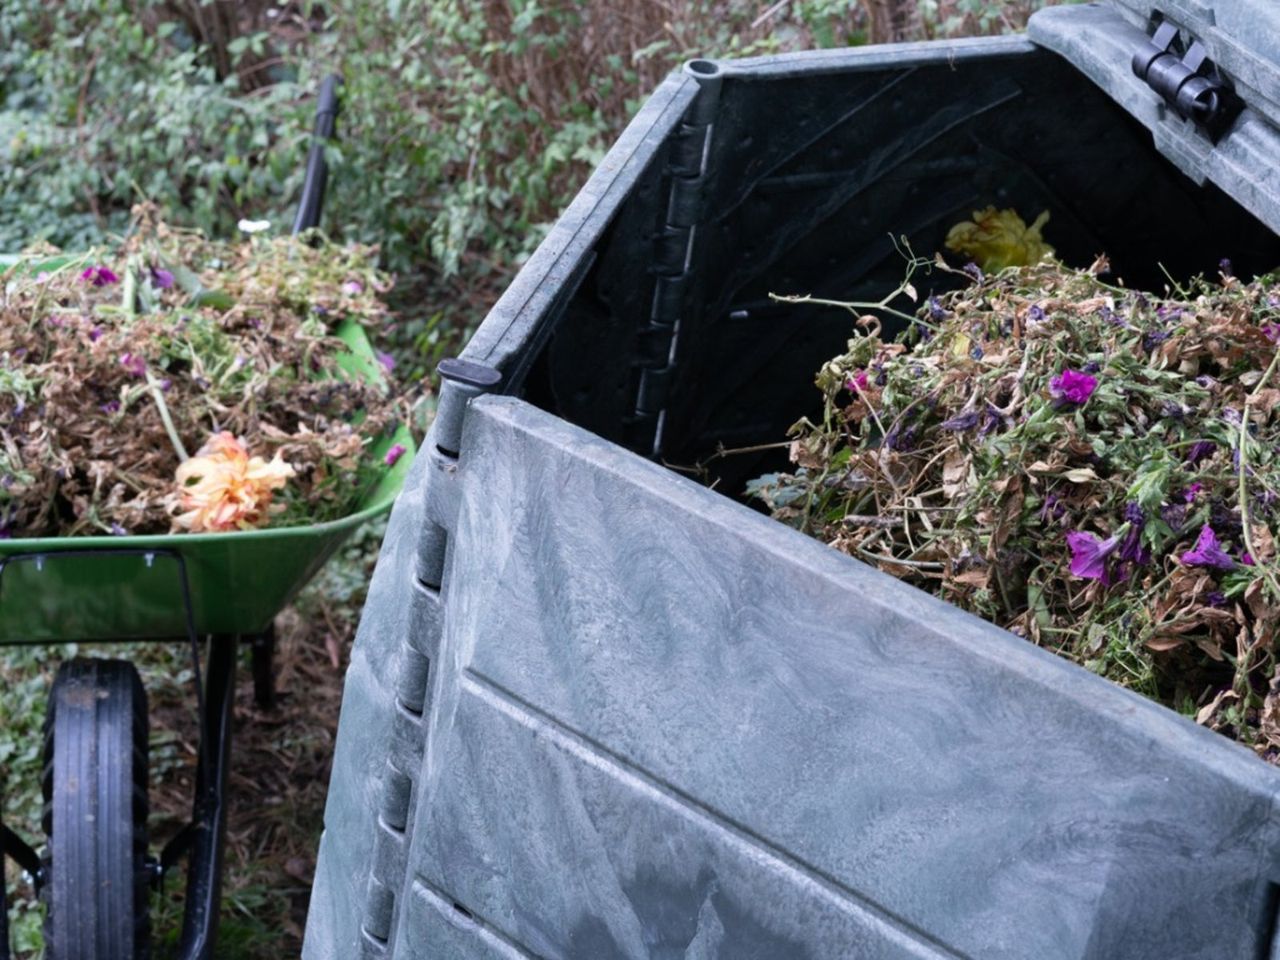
<point x="339" y="892"/>
<point x="667" y="726"/>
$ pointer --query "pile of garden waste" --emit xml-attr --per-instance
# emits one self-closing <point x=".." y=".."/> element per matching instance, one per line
<point x="172" y="383"/>
<point x="1091" y="467"/>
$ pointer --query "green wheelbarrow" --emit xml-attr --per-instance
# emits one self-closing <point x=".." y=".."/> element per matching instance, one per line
<point x="219" y="589"/>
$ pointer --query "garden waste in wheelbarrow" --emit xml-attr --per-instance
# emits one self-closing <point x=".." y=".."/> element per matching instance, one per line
<point x="598" y="710"/>
<point x="97" y="873"/>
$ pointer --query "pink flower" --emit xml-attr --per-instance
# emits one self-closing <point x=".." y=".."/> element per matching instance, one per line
<point x="1208" y="553"/>
<point x="857" y="383"/>
<point x="1089" y="554"/>
<point x="1072" y="386"/>
<point x="99" y="276"/>
<point x="394" y="454"/>
<point x="352" y="288"/>
<point x="134" y="364"/>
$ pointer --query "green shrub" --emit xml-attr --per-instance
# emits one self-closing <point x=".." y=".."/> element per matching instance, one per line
<point x="466" y="125"/>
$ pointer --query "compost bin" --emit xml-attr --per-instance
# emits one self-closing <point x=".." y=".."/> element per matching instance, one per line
<point x="596" y="709"/>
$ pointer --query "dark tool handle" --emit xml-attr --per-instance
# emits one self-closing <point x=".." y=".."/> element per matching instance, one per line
<point x="312" y="202"/>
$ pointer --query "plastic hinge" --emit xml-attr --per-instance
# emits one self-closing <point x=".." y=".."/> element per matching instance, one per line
<point x="1190" y="84"/>
<point x="672" y="260"/>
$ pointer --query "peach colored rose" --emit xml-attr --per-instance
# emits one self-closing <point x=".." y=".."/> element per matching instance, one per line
<point x="223" y="488"/>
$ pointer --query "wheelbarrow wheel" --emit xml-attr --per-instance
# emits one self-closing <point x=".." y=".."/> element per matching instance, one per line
<point x="95" y="813"/>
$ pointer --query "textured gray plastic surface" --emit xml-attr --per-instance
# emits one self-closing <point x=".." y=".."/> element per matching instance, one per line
<point x="597" y="711"/>
<point x="666" y="726"/>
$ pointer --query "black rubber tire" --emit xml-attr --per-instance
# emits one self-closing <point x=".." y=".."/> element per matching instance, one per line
<point x="95" y="813"/>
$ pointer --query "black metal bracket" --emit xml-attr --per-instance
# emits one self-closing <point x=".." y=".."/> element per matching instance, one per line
<point x="21" y="853"/>
<point x="1190" y="84"/>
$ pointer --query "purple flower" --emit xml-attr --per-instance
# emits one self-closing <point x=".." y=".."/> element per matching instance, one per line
<point x="1247" y="558"/>
<point x="1072" y="386"/>
<point x="1272" y="331"/>
<point x="353" y="288"/>
<point x="118" y="531"/>
<point x="1134" y="514"/>
<point x="134" y="364"/>
<point x="1189" y="495"/>
<point x="974" y="271"/>
<point x="1199" y="450"/>
<point x="900" y="439"/>
<point x="389" y="362"/>
<point x="1208" y="553"/>
<point x="395" y="453"/>
<point x="1093" y="366"/>
<point x="937" y="313"/>
<point x="161" y="278"/>
<point x="961" y="422"/>
<point x="1216" y="598"/>
<point x="976" y="352"/>
<point x="1153" y="339"/>
<point x="95" y="334"/>
<point x="99" y="276"/>
<point x="1089" y="554"/>
<point x="1052" y="509"/>
<point x="1131" y="549"/>
<point x="1035" y="314"/>
<point x="1224" y="265"/>
<point x="111" y="406"/>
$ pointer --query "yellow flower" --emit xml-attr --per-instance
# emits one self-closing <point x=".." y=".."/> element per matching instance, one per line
<point x="223" y="488"/>
<point x="999" y="239"/>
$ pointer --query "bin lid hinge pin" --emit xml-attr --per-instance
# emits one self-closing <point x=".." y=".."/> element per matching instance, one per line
<point x="1191" y="84"/>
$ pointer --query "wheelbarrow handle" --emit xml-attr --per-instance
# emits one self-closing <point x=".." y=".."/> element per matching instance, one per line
<point x="312" y="202"/>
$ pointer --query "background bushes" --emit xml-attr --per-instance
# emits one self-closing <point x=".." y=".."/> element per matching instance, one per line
<point x="467" y="124"/>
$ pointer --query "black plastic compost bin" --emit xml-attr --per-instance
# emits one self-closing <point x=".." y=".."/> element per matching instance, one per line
<point x="597" y="710"/>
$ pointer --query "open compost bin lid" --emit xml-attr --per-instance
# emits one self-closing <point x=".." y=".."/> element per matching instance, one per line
<point x="1235" y="43"/>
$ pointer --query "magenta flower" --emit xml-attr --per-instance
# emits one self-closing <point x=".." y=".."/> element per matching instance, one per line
<point x="387" y="360"/>
<point x="1247" y="559"/>
<point x="1072" y="386"/>
<point x="394" y="454"/>
<point x="857" y="383"/>
<point x="1089" y="554"/>
<point x="1199" y="450"/>
<point x="1208" y="553"/>
<point x="134" y="364"/>
<point x="161" y="278"/>
<point x="99" y="276"/>
<point x="95" y="334"/>
<point x="1189" y="495"/>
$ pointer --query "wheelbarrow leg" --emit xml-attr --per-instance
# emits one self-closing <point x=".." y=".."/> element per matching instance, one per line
<point x="209" y="815"/>
<point x="263" y="650"/>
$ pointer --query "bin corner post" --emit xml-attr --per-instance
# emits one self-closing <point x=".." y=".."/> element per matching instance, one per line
<point x="675" y="254"/>
<point x="461" y="381"/>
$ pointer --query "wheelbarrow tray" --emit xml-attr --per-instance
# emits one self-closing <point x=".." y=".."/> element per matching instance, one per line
<point x="55" y="589"/>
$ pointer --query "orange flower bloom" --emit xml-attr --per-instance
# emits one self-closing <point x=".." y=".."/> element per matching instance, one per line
<point x="223" y="488"/>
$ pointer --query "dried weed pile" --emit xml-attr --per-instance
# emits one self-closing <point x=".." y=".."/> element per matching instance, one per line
<point x="1090" y="467"/>
<point x="173" y="382"/>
